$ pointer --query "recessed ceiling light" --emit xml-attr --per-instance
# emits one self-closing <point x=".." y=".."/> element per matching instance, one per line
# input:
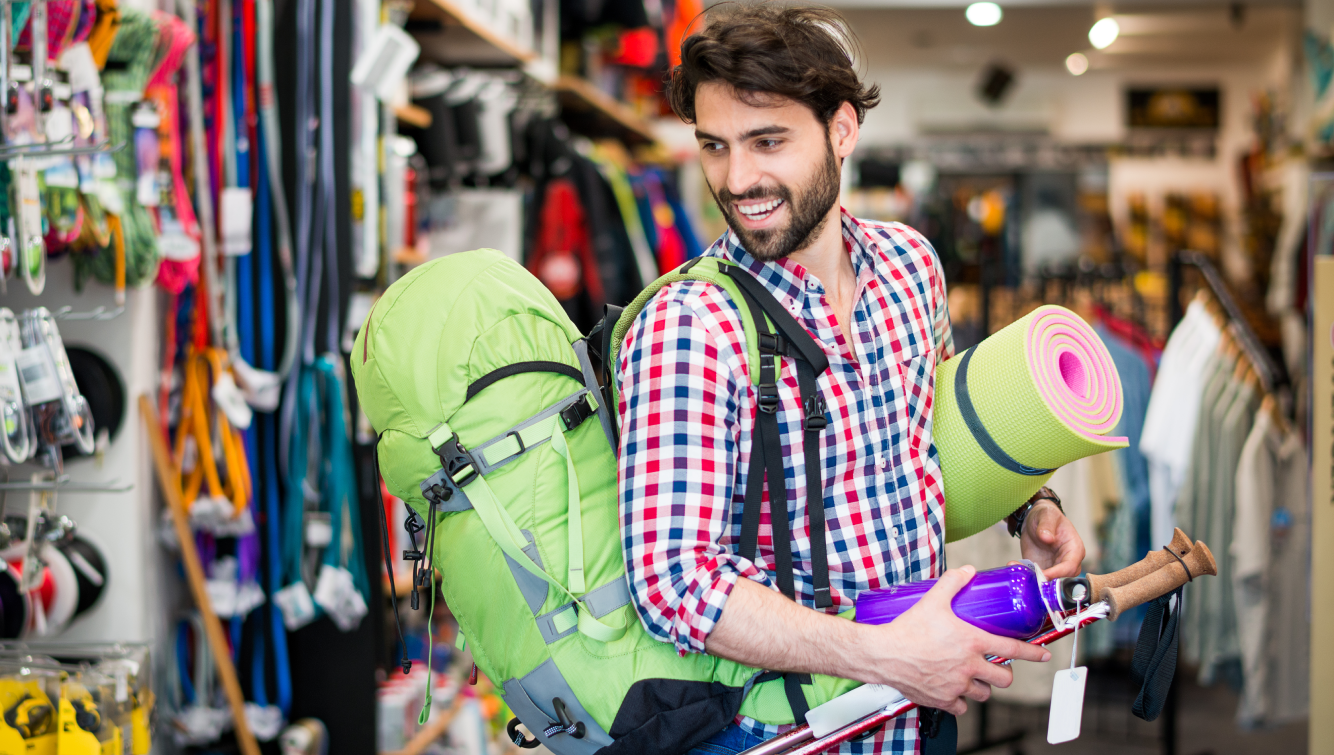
<point x="1104" y="32"/>
<point x="983" y="14"/>
<point x="1076" y="63"/>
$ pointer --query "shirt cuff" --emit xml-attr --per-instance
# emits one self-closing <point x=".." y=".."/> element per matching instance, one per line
<point x="703" y="601"/>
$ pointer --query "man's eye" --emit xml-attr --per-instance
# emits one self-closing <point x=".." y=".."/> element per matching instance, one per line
<point x="767" y="143"/>
<point x="713" y="147"/>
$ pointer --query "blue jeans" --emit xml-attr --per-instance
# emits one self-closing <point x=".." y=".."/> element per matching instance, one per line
<point x="729" y="741"/>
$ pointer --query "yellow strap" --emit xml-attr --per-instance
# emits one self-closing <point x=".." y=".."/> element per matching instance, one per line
<point x="504" y="531"/>
<point x="574" y="522"/>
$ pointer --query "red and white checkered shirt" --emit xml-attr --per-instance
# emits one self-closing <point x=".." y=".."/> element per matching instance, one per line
<point x="687" y="408"/>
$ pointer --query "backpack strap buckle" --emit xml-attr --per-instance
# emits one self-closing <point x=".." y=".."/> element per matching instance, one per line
<point x="815" y="413"/>
<point x="772" y="343"/>
<point x="767" y="398"/>
<point x="458" y="462"/>
<point x="575" y="414"/>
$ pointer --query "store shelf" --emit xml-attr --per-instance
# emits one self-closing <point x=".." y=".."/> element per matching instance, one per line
<point x="464" y="37"/>
<point x="589" y="110"/>
<point x="413" y="115"/>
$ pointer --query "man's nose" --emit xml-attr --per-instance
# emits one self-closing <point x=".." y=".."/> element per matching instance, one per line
<point x="742" y="172"/>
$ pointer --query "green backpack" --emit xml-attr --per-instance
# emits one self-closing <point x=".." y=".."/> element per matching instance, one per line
<point x="494" y="430"/>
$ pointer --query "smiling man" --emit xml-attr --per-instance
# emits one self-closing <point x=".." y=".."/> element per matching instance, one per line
<point x="777" y="108"/>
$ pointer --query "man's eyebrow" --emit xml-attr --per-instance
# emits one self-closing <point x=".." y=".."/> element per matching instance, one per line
<point x="761" y="131"/>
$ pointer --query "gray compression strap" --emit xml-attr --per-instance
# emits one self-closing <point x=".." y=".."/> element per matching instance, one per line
<point x="979" y="431"/>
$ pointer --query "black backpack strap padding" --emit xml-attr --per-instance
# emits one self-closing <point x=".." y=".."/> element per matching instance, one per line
<point x="766" y="456"/>
<point x="611" y="314"/>
<point x="811" y="362"/>
<point x="518" y="368"/>
<point x="1155" y="660"/>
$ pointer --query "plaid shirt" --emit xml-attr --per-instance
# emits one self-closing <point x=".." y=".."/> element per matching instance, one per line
<point x="687" y="409"/>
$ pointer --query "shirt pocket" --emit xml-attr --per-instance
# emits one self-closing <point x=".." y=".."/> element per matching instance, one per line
<point x="915" y="372"/>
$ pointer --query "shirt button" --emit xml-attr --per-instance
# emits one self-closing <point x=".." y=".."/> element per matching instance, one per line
<point x="880" y="460"/>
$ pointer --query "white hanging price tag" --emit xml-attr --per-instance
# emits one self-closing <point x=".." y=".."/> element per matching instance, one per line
<point x="1067" y="705"/>
<point x="38" y="375"/>
<point x="335" y="593"/>
<point x="296" y="604"/>
<point x="235" y="207"/>
<point x="1067" y="691"/>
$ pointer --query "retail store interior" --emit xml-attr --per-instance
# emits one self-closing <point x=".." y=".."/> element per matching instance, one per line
<point x="206" y="199"/>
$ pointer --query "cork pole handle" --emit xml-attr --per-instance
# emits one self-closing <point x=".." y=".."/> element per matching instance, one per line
<point x="1200" y="562"/>
<point x="1100" y="583"/>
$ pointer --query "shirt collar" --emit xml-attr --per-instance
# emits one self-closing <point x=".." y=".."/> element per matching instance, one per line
<point x="788" y="280"/>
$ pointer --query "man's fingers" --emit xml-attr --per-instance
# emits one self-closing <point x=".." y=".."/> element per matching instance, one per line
<point x="1019" y="651"/>
<point x="994" y="674"/>
<point x="949" y="584"/>
<point x="979" y="691"/>
<point x="958" y="707"/>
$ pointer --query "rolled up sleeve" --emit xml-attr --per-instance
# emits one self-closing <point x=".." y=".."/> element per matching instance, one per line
<point x="679" y="437"/>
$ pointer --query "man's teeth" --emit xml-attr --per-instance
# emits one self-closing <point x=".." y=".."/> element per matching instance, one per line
<point x="759" y="209"/>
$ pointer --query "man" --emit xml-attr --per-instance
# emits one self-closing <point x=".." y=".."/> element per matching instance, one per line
<point x="777" y="107"/>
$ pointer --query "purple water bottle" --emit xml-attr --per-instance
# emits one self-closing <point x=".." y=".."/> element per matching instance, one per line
<point x="1008" y="601"/>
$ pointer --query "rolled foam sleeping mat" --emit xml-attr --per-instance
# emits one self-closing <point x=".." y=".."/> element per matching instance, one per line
<point x="1037" y="395"/>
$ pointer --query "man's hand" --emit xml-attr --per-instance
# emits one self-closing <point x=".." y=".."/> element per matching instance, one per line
<point x="1049" y="540"/>
<point x="937" y="660"/>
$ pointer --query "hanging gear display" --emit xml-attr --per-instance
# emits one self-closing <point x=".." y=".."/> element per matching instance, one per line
<point x="60" y="414"/>
<point x="321" y="542"/>
<point x="16" y="433"/>
<point x="132" y="257"/>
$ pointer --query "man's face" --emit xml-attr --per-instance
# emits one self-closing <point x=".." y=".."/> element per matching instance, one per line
<point x="771" y="168"/>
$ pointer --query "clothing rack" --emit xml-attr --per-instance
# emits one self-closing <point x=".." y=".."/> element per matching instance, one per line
<point x="1265" y="369"/>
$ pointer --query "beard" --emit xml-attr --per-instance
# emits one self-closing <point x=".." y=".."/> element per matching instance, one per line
<point x="808" y="209"/>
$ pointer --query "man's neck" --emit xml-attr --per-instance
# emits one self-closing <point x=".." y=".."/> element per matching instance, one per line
<point x="827" y="258"/>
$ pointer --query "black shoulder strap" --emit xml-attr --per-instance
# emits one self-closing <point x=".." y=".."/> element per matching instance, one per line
<point x="792" y="330"/>
<point x="766" y="448"/>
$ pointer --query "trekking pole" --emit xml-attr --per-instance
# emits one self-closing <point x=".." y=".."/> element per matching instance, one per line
<point x="1114" y="595"/>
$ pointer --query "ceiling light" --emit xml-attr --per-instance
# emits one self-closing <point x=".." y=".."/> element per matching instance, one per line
<point x="983" y="14"/>
<point x="1076" y="63"/>
<point x="1104" y="32"/>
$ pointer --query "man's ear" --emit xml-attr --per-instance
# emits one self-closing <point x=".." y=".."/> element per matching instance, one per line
<point x="844" y="130"/>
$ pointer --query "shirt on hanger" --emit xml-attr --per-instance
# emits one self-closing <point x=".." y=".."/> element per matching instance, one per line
<point x="1193" y="501"/>
<point x="1270" y="575"/>
<point x="1174" y="405"/>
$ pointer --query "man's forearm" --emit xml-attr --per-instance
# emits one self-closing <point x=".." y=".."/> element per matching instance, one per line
<point x="761" y="628"/>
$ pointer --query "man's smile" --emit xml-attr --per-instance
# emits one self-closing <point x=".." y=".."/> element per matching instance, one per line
<point x="755" y="212"/>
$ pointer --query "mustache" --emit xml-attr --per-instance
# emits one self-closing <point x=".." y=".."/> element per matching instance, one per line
<point x="755" y="192"/>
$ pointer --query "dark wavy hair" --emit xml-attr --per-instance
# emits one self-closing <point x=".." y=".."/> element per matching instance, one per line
<point x="800" y="53"/>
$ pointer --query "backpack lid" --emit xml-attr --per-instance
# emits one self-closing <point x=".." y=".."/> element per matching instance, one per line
<point x="426" y="339"/>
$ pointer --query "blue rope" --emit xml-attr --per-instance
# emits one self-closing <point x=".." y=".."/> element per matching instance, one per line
<point x="245" y="310"/>
<point x="268" y="431"/>
<point x="183" y="662"/>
